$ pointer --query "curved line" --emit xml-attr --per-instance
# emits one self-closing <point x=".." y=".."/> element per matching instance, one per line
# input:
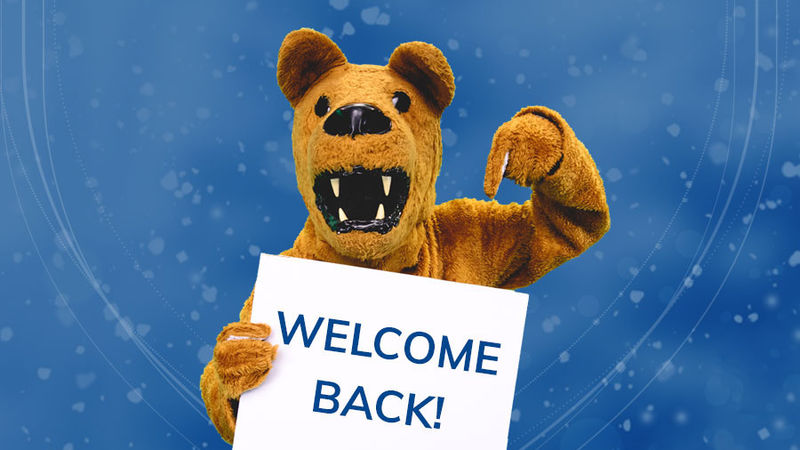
<point x="657" y="245"/>
<point x="595" y="390"/>
<point x="63" y="297"/>
<point x="682" y="287"/>
<point x="160" y="363"/>
<point x="776" y="101"/>
<point x="47" y="136"/>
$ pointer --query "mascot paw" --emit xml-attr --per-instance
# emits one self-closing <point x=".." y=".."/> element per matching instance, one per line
<point x="242" y="357"/>
<point x="525" y="149"/>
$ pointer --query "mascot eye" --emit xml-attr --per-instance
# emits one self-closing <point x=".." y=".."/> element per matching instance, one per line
<point x="401" y="101"/>
<point x="322" y="107"/>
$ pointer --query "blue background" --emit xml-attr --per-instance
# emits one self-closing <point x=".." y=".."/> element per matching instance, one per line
<point x="146" y="162"/>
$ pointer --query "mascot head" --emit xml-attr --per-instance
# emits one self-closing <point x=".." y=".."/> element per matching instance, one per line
<point x="366" y="140"/>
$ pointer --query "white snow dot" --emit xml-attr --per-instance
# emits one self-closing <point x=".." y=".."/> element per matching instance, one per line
<point x="209" y="293"/>
<point x="203" y="113"/>
<point x="674" y="129"/>
<point x="763" y="433"/>
<point x="135" y="395"/>
<point x="44" y="373"/>
<point x="339" y="4"/>
<point x="765" y="62"/>
<point x="147" y="89"/>
<point x="794" y="260"/>
<point x="520" y="78"/>
<point x="613" y="175"/>
<point x="79" y="407"/>
<point x="143" y="114"/>
<point x="374" y="16"/>
<point x="170" y="181"/>
<point x="348" y="29"/>
<point x="156" y="245"/>
<point x="718" y="152"/>
<point x="271" y="146"/>
<point x="84" y="380"/>
<point x="6" y="333"/>
<point x="721" y="85"/>
<point x="75" y="46"/>
<point x="254" y="250"/>
<point x="790" y="170"/>
<point x="573" y="71"/>
<point x="667" y="98"/>
<point x="205" y="353"/>
<point x="452" y="44"/>
<point x="738" y="318"/>
<point x="563" y="357"/>
<point x="142" y="329"/>
<point x="182" y="256"/>
<point x="449" y="137"/>
<point x="626" y="425"/>
<point x="637" y="296"/>
<point x="549" y="325"/>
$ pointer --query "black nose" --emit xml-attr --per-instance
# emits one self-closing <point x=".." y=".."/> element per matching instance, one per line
<point x="357" y="118"/>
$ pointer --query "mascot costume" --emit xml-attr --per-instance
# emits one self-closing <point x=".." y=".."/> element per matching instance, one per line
<point x="367" y="149"/>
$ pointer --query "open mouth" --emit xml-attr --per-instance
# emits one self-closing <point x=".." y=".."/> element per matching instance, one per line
<point x="361" y="199"/>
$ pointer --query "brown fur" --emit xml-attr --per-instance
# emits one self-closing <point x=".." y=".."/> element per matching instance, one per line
<point x="464" y="240"/>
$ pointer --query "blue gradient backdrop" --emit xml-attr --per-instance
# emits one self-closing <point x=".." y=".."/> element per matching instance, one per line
<point x="146" y="162"/>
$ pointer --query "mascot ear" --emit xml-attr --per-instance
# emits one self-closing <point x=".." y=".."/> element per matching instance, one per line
<point x="305" y="55"/>
<point x="424" y="66"/>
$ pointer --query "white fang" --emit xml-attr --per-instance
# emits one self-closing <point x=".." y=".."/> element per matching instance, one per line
<point x="342" y="215"/>
<point x="387" y="185"/>
<point x="335" y="186"/>
<point x="380" y="215"/>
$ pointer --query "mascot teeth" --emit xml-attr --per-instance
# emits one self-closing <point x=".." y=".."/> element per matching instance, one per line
<point x="362" y="200"/>
<point x="335" y="187"/>
<point x="387" y="185"/>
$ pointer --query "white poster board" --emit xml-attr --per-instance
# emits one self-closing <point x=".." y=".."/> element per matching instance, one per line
<point x="381" y="360"/>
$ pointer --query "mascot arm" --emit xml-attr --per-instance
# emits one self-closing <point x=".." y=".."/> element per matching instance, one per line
<point x="242" y="358"/>
<point x="511" y="246"/>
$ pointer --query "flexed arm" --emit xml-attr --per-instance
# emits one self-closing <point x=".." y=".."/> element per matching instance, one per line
<point x="513" y="245"/>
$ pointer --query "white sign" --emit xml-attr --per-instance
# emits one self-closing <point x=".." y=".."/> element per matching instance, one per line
<point x="369" y="359"/>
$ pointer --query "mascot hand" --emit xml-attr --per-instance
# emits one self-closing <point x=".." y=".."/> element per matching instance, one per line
<point x="526" y="149"/>
<point x="242" y="357"/>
